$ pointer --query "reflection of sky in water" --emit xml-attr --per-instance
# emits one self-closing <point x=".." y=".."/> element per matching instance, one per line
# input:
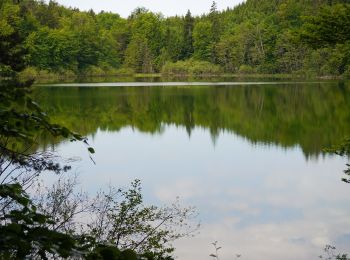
<point x="264" y="202"/>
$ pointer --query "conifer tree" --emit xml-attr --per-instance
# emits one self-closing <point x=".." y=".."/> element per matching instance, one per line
<point x="187" y="49"/>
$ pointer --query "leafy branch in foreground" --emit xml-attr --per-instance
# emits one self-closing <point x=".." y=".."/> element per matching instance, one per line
<point x="343" y="150"/>
<point x="25" y="232"/>
<point x="331" y="255"/>
<point x="118" y="218"/>
<point x="120" y="227"/>
<point x="121" y="218"/>
<point x="217" y="248"/>
<point x="62" y="224"/>
<point x="21" y="120"/>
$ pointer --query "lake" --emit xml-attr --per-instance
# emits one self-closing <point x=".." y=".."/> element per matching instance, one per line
<point x="248" y="155"/>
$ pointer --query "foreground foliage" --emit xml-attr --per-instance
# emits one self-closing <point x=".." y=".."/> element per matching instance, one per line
<point x="121" y="226"/>
<point x="330" y="254"/>
<point x="343" y="150"/>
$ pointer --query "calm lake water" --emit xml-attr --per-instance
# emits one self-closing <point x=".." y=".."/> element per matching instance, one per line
<point x="249" y="156"/>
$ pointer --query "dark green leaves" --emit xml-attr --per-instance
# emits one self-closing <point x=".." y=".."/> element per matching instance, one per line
<point x="14" y="192"/>
<point x="331" y="26"/>
<point x="24" y="231"/>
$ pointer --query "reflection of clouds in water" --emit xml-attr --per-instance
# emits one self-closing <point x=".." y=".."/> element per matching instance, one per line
<point x="236" y="206"/>
<point x="263" y="202"/>
<point x="309" y="220"/>
<point x="293" y="240"/>
<point x="185" y="188"/>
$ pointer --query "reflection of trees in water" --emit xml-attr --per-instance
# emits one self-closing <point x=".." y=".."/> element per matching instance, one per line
<point x="313" y="116"/>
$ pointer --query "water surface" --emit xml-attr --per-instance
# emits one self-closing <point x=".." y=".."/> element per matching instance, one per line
<point x="249" y="156"/>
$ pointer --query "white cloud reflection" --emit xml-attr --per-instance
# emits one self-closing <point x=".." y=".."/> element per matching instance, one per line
<point x="263" y="202"/>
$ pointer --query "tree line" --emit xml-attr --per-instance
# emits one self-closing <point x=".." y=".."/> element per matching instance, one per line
<point x="257" y="36"/>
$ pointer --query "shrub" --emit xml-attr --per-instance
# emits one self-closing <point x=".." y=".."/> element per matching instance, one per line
<point x="346" y="74"/>
<point x="94" y="71"/>
<point x="29" y="73"/>
<point x="107" y="71"/>
<point x="246" y="69"/>
<point x="32" y="73"/>
<point x="191" y="67"/>
<point x="125" y="71"/>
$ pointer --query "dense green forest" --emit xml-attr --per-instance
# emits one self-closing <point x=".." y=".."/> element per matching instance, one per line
<point x="257" y="36"/>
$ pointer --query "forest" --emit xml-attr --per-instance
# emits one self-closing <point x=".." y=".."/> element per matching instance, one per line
<point x="255" y="37"/>
<point x="38" y="39"/>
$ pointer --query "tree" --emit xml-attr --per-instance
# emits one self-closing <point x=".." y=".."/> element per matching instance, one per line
<point x="273" y="36"/>
<point x="230" y="53"/>
<point x="289" y="52"/>
<point x="216" y="30"/>
<point x="121" y="218"/>
<point x="331" y="26"/>
<point x="203" y="41"/>
<point x="115" y="38"/>
<point x="187" y="46"/>
<point x="116" y="217"/>
<point x="173" y="38"/>
<point x="138" y="55"/>
<point x="53" y="50"/>
<point x="85" y="31"/>
<point x="146" y="42"/>
<point x="330" y="29"/>
<point x="12" y="49"/>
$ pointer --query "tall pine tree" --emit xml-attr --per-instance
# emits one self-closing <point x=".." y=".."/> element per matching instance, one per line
<point x="187" y="47"/>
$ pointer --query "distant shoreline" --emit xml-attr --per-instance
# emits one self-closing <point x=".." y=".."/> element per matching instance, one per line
<point x="54" y="78"/>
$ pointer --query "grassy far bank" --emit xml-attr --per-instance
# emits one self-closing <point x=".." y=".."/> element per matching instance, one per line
<point x="97" y="74"/>
<point x="187" y="70"/>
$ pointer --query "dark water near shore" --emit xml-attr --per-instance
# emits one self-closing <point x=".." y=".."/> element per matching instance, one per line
<point x="250" y="156"/>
